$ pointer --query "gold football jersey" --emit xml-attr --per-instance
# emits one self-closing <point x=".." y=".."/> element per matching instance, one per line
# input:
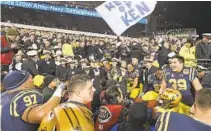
<point x="70" y="116"/>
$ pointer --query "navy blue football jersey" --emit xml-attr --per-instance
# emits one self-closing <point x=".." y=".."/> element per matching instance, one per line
<point x="182" y="81"/>
<point x="154" y="83"/>
<point x="172" y="121"/>
<point x="13" y="107"/>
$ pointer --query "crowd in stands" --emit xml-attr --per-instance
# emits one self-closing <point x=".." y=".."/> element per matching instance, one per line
<point x="66" y="21"/>
<point x="132" y="63"/>
<point x="67" y="81"/>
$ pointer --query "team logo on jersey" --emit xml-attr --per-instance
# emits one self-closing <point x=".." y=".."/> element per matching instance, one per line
<point x="104" y="115"/>
<point x="186" y="71"/>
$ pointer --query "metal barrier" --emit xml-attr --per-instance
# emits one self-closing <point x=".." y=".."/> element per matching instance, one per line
<point x="205" y="63"/>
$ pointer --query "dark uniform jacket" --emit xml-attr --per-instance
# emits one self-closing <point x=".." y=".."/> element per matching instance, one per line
<point x="72" y="72"/>
<point x="46" y="67"/>
<point x="203" y="51"/>
<point x="61" y="73"/>
<point x="30" y="66"/>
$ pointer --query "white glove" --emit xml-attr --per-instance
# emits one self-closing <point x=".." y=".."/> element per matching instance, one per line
<point x="59" y="89"/>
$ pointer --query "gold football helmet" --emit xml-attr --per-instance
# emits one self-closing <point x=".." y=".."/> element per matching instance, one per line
<point x="68" y="117"/>
<point x="170" y="98"/>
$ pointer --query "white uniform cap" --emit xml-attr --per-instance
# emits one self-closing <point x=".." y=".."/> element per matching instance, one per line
<point x="172" y="54"/>
<point x="206" y="34"/>
<point x="32" y="53"/>
<point x="46" y="52"/>
<point x="195" y="36"/>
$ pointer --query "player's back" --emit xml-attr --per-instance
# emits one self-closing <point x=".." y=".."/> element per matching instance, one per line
<point x="14" y="105"/>
<point x="171" y="121"/>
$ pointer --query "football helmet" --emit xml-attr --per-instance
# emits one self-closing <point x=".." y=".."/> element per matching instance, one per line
<point x="150" y="96"/>
<point x="170" y="98"/>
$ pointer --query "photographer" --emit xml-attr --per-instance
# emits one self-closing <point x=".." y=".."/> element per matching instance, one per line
<point x="8" y="46"/>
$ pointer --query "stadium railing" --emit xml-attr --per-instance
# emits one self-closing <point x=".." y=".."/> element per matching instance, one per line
<point x="205" y="63"/>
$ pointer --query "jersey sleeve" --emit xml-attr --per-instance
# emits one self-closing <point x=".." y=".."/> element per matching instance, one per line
<point x="23" y="100"/>
<point x="163" y="122"/>
<point x="192" y="74"/>
<point x="164" y="75"/>
<point x="149" y="78"/>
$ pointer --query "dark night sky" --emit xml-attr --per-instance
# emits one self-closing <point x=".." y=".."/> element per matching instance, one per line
<point x="191" y="14"/>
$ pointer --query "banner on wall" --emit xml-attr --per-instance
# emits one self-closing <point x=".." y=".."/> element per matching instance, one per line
<point x="59" y="9"/>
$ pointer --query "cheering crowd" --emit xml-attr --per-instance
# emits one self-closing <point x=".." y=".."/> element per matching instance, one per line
<point x="56" y="81"/>
<point x="118" y="84"/>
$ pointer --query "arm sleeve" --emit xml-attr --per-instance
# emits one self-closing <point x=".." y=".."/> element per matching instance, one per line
<point x="163" y="121"/>
<point x="192" y="74"/>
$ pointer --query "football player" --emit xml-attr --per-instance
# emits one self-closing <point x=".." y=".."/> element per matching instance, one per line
<point x="22" y="107"/>
<point x="133" y="84"/>
<point x="154" y="80"/>
<point x="73" y="115"/>
<point x="200" y="121"/>
<point x="183" y="79"/>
